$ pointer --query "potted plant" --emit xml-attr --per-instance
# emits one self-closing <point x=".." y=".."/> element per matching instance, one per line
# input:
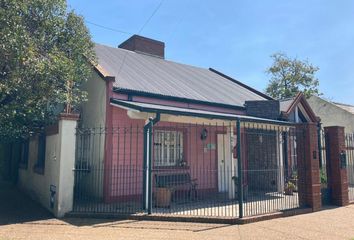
<point x="289" y="188"/>
<point x="245" y="188"/>
<point x="294" y="179"/>
<point x="323" y="177"/>
<point x="163" y="197"/>
<point x="325" y="191"/>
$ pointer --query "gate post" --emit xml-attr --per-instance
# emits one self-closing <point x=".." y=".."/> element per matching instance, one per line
<point x="239" y="168"/>
<point x="67" y="145"/>
<point x="337" y="175"/>
<point x="309" y="185"/>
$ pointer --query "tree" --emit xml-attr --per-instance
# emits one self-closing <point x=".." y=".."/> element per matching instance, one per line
<point x="45" y="55"/>
<point x="290" y="76"/>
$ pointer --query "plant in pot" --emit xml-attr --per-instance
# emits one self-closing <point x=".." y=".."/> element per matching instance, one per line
<point x="325" y="190"/>
<point x="323" y="177"/>
<point x="294" y="179"/>
<point x="163" y="197"/>
<point x="163" y="193"/>
<point x="289" y="188"/>
<point x="245" y="189"/>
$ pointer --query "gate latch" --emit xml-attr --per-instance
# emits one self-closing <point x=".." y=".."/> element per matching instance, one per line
<point x="343" y="159"/>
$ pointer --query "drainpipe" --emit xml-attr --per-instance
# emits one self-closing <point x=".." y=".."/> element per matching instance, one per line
<point x="147" y="177"/>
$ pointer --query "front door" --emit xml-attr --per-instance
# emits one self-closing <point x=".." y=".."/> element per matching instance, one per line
<point x="226" y="165"/>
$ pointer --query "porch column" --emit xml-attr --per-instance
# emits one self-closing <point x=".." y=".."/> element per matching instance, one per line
<point x="67" y="148"/>
<point x="239" y="169"/>
<point x="280" y="163"/>
<point x="309" y="186"/>
<point x="147" y="174"/>
<point x="337" y="171"/>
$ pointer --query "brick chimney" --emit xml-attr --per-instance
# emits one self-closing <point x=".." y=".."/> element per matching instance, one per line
<point x="144" y="45"/>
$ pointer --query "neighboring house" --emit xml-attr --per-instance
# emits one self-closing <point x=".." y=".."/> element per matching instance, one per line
<point x="333" y="114"/>
<point x="193" y="112"/>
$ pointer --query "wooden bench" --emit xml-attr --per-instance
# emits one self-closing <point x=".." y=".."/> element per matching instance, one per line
<point x="177" y="182"/>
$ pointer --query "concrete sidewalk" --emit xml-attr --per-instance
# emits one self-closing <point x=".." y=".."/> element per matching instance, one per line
<point x="16" y="207"/>
<point x="332" y="223"/>
<point x="21" y="218"/>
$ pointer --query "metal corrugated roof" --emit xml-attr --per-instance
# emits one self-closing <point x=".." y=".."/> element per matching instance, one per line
<point x="140" y="72"/>
<point x="285" y="104"/>
<point x="346" y="107"/>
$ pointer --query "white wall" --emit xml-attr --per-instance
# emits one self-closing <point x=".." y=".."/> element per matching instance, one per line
<point x="93" y="111"/>
<point x="38" y="185"/>
<point x="58" y="169"/>
<point x="91" y="145"/>
<point x="332" y="115"/>
<point x="60" y="154"/>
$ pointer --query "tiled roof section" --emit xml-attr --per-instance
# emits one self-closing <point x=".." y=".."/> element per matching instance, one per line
<point x="143" y="73"/>
<point x="346" y="107"/>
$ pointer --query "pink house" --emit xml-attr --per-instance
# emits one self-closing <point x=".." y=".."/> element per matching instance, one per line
<point x="191" y="115"/>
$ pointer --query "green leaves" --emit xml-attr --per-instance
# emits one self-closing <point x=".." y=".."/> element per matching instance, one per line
<point x="45" y="55"/>
<point x="290" y="76"/>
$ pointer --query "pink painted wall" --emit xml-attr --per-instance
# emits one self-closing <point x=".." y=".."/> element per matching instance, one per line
<point x="124" y="168"/>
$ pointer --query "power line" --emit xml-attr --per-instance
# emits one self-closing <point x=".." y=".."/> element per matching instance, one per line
<point x="108" y="28"/>
<point x="141" y="29"/>
<point x="125" y="32"/>
<point x="153" y="13"/>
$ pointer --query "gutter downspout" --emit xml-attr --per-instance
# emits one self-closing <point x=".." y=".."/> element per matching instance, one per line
<point x="147" y="166"/>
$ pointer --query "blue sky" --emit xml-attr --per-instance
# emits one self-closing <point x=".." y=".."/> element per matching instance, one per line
<point x="237" y="37"/>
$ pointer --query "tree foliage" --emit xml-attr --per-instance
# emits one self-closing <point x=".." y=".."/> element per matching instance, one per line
<point x="290" y="76"/>
<point x="45" y="55"/>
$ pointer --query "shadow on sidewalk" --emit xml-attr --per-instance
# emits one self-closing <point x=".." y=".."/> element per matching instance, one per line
<point x="17" y="207"/>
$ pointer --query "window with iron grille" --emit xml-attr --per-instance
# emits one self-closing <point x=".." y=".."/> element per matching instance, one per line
<point x="168" y="148"/>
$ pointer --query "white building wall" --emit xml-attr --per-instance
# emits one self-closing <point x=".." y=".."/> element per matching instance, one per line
<point x="93" y="111"/>
<point x="58" y="173"/>
<point x="332" y="115"/>
<point x="38" y="185"/>
<point x="91" y="144"/>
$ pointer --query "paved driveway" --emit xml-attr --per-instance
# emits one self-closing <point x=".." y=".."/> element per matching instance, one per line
<point x="20" y="218"/>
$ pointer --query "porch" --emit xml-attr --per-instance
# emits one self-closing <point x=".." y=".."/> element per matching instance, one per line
<point x="193" y="163"/>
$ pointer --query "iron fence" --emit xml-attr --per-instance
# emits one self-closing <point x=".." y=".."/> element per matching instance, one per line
<point x="270" y="169"/>
<point x="108" y="186"/>
<point x="349" y="141"/>
<point x="324" y="166"/>
<point x="217" y="169"/>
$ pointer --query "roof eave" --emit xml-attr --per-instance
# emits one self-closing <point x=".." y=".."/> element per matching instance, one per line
<point x="203" y="115"/>
<point x="301" y="98"/>
<point x="103" y="73"/>
<point x="178" y="99"/>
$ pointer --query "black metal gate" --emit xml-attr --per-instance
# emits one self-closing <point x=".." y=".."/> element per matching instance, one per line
<point x="114" y="185"/>
<point x="323" y="143"/>
<point x="349" y="142"/>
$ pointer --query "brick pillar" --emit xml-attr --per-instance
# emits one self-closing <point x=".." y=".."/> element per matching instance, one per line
<point x="337" y="175"/>
<point x="309" y="185"/>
